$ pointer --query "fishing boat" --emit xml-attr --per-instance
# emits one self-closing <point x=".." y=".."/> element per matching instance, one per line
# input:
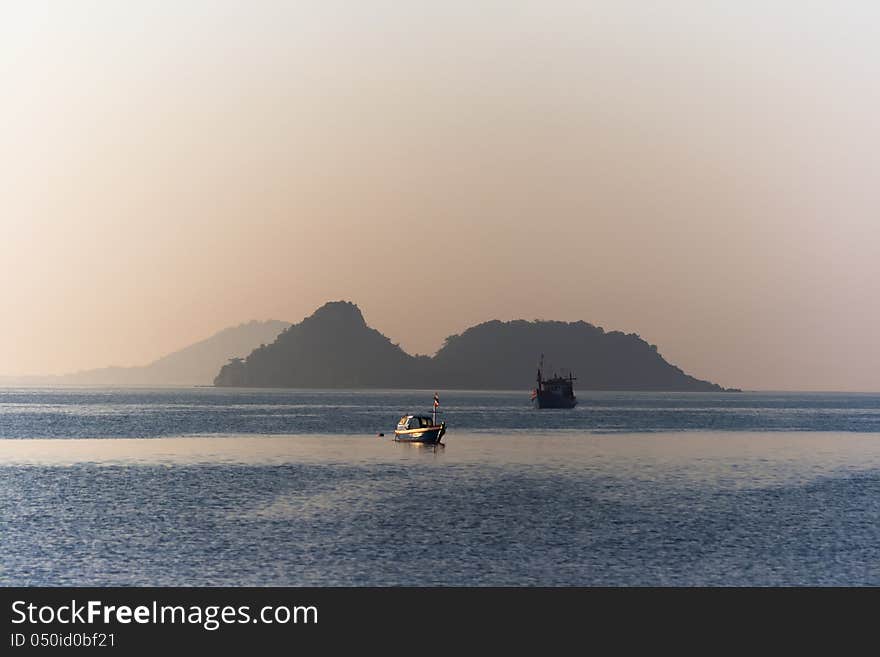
<point x="421" y="428"/>
<point x="555" y="392"/>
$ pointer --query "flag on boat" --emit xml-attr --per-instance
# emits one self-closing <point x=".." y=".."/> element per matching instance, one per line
<point x="436" y="400"/>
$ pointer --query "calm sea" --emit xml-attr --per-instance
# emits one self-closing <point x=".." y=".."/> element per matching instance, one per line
<point x="203" y="486"/>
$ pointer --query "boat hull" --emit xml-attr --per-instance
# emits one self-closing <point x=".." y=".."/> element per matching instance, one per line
<point x="544" y="400"/>
<point x="427" y="435"/>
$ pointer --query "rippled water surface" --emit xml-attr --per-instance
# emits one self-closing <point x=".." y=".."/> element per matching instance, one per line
<point x="146" y="413"/>
<point x="296" y="488"/>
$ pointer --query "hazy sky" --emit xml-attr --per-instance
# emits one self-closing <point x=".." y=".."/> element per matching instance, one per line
<point x="706" y="174"/>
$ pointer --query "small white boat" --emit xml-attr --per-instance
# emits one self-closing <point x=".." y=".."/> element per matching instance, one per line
<point x="421" y="428"/>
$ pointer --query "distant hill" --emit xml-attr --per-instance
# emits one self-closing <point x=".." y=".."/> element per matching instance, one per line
<point x="196" y="364"/>
<point x="334" y="348"/>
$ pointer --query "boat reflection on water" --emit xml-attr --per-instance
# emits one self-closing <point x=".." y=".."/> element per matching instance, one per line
<point x="422" y="450"/>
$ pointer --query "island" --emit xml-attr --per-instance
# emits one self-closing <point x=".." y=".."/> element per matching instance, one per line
<point x="335" y="348"/>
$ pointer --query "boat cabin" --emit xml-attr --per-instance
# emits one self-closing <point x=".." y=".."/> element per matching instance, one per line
<point x="415" y="422"/>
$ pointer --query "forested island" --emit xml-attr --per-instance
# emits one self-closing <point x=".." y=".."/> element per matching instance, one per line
<point x="334" y="348"/>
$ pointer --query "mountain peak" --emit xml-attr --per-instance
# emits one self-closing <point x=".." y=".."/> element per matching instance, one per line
<point x="343" y="312"/>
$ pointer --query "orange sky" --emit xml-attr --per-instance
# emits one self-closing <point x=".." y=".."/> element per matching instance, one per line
<point x="704" y="175"/>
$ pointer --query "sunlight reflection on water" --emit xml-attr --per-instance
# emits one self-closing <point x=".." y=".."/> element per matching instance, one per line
<point x="558" y="508"/>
